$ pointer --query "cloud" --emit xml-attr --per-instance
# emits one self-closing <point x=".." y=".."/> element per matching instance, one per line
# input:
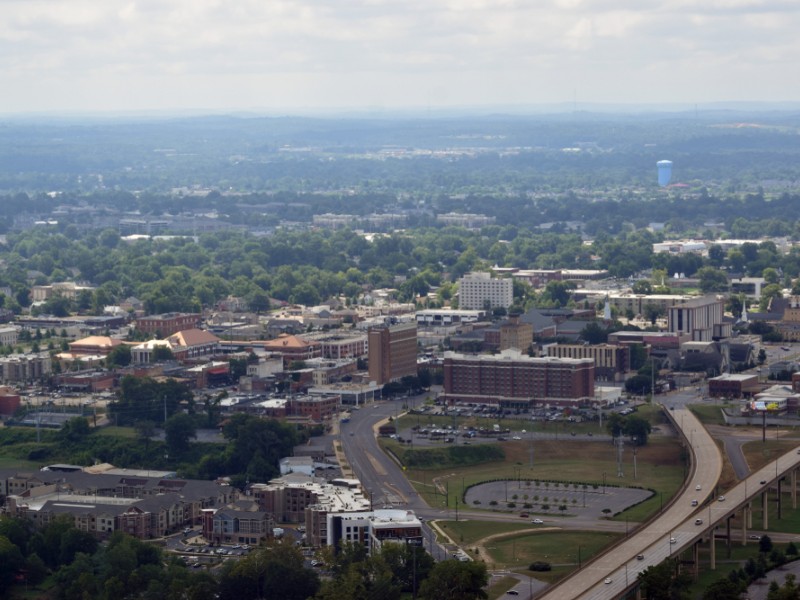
<point x="155" y="54"/>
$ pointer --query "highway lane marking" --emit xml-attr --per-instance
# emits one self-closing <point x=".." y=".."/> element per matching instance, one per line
<point x="378" y="467"/>
<point x="398" y="492"/>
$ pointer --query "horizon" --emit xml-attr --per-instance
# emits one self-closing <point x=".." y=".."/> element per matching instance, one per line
<point x="306" y="56"/>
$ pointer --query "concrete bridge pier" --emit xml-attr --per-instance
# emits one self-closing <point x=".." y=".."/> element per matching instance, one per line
<point x="765" y="510"/>
<point x="793" y="483"/>
<point x="712" y="542"/>
<point x="728" y="542"/>
<point x="747" y="515"/>
<point x="696" y="559"/>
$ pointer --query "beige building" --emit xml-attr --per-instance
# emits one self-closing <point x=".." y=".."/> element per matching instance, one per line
<point x="67" y="289"/>
<point x="8" y="336"/>
<point x="611" y="362"/>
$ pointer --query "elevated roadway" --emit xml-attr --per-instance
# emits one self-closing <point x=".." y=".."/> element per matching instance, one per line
<point x="620" y="564"/>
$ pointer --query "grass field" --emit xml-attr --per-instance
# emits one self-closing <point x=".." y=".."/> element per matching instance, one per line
<point x="515" y="425"/>
<point x="660" y="468"/>
<point x="560" y="548"/>
<point x="119" y="432"/>
<point x="469" y="532"/>
<point x="9" y="462"/>
<point x="499" y="587"/>
<point x="709" y="414"/>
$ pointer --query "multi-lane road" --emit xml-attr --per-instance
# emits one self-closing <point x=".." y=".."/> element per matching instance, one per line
<point x="609" y="574"/>
<point x="385" y="482"/>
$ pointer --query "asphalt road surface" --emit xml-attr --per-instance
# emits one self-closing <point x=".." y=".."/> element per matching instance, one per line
<point x="620" y="566"/>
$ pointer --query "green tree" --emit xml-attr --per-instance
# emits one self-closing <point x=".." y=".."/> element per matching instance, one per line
<point x="637" y="428"/>
<point x="120" y="356"/>
<point x="663" y="582"/>
<point x="179" y="429"/>
<point x="768" y="292"/>
<point x="75" y="430"/>
<point x="10" y="562"/>
<point x="455" y="580"/>
<point x="722" y="589"/>
<point x="35" y="569"/>
<point x="272" y="573"/>
<point x="409" y="565"/>
<point x="712" y="280"/>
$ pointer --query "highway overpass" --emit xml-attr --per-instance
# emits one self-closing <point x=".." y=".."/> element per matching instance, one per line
<point x="652" y="541"/>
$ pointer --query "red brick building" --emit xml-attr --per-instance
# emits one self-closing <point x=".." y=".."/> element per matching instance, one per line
<point x="317" y="408"/>
<point x="167" y="324"/>
<point x="516" y="380"/>
<point x="291" y="348"/>
<point x="392" y="352"/>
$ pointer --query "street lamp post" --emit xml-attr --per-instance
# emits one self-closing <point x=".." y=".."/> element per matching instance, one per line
<point x="604" y="482"/>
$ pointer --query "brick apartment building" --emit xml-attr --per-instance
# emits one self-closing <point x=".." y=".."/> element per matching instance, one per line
<point x="513" y="379"/>
<point x="392" y="352"/>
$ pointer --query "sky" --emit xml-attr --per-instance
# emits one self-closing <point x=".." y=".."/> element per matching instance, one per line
<point x="295" y="56"/>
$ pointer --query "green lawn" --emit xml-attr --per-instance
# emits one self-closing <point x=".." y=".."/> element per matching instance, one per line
<point x="709" y="414"/>
<point x="469" y="532"/>
<point x="118" y="432"/>
<point x="9" y="462"/>
<point x="556" y="547"/>
<point x="659" y="463"/>
<point x="500" y="587"/>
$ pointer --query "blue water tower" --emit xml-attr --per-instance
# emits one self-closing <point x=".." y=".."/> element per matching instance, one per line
<point x="664" y="172"/>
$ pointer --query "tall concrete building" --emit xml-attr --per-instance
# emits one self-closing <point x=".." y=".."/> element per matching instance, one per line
<point x="477" y="291"/>
<point x="700" y="318"/>
<point x="392" y="352"/>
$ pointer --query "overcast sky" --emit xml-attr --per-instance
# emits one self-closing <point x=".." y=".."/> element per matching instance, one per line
<point x="110" y="55"/>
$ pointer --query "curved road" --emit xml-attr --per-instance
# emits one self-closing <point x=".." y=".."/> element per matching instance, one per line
<point x="384" y="481"/>
<point x="652" y="541"/>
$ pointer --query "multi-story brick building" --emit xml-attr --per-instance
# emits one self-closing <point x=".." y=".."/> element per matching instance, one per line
<point x="232" y="526"/>
<point x="102" y="503"/>
<point x="734" y="385"/>
<point x="291" y="347"/>
<point x="316" y="408"/>
<point x="168" y="323"/>
<point x="392" y="352"/>
<point x="515" y="333"/>
<point x="516" y="380"/>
